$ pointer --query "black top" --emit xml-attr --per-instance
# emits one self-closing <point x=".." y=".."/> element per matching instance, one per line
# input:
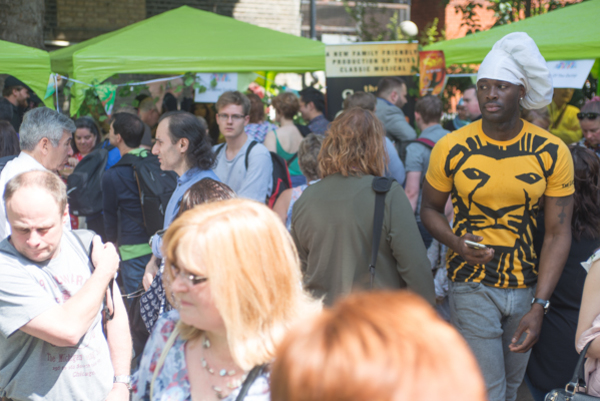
<point x="553" y="358"/>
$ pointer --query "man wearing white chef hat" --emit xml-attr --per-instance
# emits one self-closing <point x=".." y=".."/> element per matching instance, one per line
<point x="497" y="169"/>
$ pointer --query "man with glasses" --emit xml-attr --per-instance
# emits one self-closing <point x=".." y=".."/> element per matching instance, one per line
<point x="589" y="120"/>
<point x="243" y="164"/>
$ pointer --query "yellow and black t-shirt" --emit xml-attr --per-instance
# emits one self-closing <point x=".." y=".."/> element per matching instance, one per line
<point x="495" y="188"/>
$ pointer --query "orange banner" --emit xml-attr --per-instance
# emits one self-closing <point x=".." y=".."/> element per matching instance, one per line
<point x="432" y="70"/>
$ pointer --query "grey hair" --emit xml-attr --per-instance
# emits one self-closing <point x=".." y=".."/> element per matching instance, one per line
<point x="43" y="122"/>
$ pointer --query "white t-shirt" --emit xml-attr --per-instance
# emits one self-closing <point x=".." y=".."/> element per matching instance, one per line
<point x="30" y="368"/>
<point x="256" y="181"/>
<point x="13" y="168"/>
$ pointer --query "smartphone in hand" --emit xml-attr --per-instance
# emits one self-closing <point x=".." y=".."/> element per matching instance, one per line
<point x="475" y="245"/>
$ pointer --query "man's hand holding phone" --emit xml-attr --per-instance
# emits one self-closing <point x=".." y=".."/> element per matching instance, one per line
<point x="469" y="247"/>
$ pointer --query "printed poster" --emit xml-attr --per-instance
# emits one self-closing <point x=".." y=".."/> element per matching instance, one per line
<point x="432" y="72"/>
<point x="371" y="59"/>
<point x="570" y="73"/>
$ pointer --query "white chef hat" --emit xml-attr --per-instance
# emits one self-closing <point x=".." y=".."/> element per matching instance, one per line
<point x="516" y="59"/>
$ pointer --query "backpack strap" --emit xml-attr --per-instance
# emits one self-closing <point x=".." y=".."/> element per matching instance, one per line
<point x="220" y="148"/>
<point x="252" y="144"/>
<point x="87" y="236"/>
<point x="381" y="186"/>
<point x="292" y="159"/>
<point x="427" y="142"/>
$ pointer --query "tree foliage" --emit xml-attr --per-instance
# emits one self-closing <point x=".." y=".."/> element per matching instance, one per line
<point x="506" y="11"/>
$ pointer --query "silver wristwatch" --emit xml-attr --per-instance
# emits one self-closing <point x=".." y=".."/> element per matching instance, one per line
<point x="123" y="379"/>
<point x="545" y="304"/>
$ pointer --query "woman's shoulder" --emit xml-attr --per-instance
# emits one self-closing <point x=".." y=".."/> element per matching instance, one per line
<point x="166" y="324"/>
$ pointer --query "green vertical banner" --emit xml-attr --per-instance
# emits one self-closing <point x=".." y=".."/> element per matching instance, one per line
<point x="107" y="94"/>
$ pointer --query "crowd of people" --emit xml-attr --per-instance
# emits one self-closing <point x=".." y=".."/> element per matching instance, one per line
<point x="197" y="276"/>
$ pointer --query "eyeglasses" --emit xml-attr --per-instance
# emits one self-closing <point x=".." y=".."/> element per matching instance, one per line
<point x="187" y="277"/>
<point x="234" y="117"/>
<point x="589" y="116"/>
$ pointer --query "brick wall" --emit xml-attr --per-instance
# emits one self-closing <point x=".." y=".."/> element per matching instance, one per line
<point x="78" y="20"/>
<point x="280" y="15"/>
<point x="423" y="12"/>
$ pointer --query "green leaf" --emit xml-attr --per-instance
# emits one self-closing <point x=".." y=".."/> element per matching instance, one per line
<point x="135" y="103"/>
<point x="213" y="83"/>
<point x="189" y="80"/>
<point x="178" y="88"/>
<point x="201" y="89"/>
<point x="102" y="118"/>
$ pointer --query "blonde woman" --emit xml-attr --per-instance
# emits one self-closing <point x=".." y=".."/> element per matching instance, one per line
<point x="236" y="296"/>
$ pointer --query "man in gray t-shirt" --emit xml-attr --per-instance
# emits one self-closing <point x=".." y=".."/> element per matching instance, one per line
<point x="428" y="113"/>
<point x="51" y="297"/>
<point x="253" y="179"/>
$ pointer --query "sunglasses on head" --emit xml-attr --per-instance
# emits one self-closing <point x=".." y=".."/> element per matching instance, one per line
<point x="589" y="116"/>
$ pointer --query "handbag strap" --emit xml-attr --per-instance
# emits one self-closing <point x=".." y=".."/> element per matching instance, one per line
<point x="578" y="378"/>
<point x="252" y="375"/>
<point x="161" y="359"/>
<point x="381" y="186"/>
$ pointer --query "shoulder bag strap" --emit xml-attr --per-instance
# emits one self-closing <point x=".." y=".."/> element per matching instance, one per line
<point x="252" y="144"/>
<point x="292" y="158"/>
<point x="163" y="356"/>
<point x="252" y="375"/>
<point x="381" y="186"/>
<point x="578" y="379"/>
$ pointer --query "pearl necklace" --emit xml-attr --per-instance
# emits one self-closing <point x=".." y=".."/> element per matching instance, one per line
<point x="231" y="385"/>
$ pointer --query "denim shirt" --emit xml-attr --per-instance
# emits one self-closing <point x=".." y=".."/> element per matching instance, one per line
<point x="319" y="125"/>
<point x="184" y="182"/>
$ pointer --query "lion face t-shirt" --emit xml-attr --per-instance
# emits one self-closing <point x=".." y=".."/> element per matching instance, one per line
<point x="496" y="187"/>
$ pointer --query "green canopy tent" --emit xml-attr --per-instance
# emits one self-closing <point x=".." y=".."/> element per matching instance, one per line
<point x="186" y="40"/>
<point x="30" y="65"/>
<point x="569" y="33"/>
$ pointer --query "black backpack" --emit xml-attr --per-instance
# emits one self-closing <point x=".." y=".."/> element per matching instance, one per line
<point x="281" y="174"/>
<point x="84" y="185"/>
<point x="156" y="187"/>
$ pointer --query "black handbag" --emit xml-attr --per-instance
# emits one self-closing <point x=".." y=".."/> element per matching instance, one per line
<point x="570" y="392"/>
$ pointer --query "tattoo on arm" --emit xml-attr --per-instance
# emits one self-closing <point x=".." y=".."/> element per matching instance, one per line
<point x="563" y="202"/>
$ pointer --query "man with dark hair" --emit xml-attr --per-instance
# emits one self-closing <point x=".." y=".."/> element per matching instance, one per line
<point x="123" y="219"/>
<point x="312" y="107"/>
<point x="391" y="97"/>
<point x="471" y="103"/>
<point x="498" y="171"/>
<point x="428" y="113"/>
<point x="247" y="170"/>
<point x="17" y="93"/>
<point x="182" y="145"/>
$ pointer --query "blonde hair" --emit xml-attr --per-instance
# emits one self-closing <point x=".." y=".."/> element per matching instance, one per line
<point x="354" y="145"/>
<point x="253" y="273"/>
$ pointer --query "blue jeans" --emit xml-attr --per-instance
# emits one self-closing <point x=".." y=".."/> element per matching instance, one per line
<point x="488" y="317"/>
<point x="132" y="272"/>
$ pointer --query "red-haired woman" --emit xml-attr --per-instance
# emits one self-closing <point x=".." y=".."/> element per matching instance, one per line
<point x="387" y="346"/>
<point x="332" y="222"/>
